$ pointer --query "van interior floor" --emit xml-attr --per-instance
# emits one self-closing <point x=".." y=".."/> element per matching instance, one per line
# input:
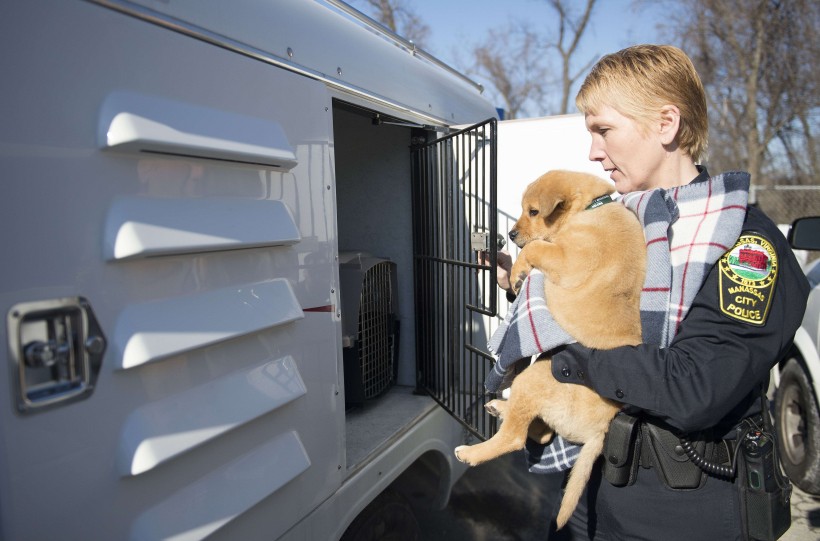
<point x="380" y="421"/>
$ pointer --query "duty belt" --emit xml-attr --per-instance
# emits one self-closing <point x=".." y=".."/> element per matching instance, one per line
<point x="633" y="442"/>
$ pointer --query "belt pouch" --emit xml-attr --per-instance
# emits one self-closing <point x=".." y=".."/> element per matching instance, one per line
<point x="673" y="467"/>
<point x="622" y="439"/>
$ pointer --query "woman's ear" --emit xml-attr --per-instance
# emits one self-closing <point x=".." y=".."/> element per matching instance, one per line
<point x="669" y="124"/>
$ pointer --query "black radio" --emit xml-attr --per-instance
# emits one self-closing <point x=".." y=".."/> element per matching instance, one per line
<point x="758" y="450"/>
<point x="767" y="495"/>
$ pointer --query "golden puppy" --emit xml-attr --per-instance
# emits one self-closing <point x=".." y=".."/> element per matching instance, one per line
<point x="594" y="264"/>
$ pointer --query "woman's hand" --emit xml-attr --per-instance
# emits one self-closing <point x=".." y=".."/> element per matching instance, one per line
<point x="504" y="263"/>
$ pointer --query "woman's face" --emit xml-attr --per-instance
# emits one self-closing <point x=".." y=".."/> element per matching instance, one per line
<point x="634" y="157"/>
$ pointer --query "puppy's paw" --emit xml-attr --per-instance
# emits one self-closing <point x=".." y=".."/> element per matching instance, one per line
<point x="496" y="408"/>
<point x="518" y="274"/>
<point x="461" y="452"/>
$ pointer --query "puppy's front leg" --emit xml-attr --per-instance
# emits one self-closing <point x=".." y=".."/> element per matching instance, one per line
<point x="539" y="254"/>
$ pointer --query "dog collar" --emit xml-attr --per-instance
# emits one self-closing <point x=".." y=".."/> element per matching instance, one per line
<point x="598" y="201"/>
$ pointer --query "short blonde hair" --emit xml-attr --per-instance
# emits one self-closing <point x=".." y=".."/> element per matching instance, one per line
<point x="638" y="81"/>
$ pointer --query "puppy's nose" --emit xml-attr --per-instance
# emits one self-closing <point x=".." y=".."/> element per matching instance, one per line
<point x="513" y="234"/>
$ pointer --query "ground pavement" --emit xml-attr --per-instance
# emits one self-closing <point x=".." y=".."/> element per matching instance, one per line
<point x="501" y="501"/>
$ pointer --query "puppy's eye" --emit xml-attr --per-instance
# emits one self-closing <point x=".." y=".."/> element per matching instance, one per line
<point x="533" y="212"/>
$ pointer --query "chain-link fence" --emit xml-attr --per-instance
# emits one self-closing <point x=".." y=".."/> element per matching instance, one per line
<point x="784" y="204"/>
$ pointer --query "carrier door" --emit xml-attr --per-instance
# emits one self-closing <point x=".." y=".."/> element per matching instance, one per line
<point x="454" y="191"/>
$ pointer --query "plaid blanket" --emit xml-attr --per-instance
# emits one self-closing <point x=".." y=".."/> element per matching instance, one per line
<point x="528" y="329"/>
<point x="706" y="219"/>
<point x="687" y="229"/>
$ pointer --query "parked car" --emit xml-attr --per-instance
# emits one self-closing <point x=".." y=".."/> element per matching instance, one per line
<point x="797" y="378"/>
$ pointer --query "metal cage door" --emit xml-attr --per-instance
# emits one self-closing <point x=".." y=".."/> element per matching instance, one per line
<point x="455" y="217"/>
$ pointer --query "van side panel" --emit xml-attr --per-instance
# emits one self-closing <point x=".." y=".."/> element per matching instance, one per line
<point x="186" y="192"/>
<point x="310" y="37"/>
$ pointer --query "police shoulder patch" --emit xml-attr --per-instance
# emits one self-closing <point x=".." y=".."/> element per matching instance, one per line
<point x="748" y="273"/>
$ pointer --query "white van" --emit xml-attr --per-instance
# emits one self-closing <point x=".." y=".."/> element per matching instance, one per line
<point x="239" y="272"/>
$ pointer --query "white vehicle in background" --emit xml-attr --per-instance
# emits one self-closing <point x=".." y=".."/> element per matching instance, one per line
<point x="797" y="378"/>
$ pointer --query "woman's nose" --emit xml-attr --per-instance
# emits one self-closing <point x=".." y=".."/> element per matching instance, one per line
<point x="596" y="152"/>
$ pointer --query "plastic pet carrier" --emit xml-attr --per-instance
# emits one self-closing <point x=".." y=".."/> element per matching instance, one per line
<point x="370" y="327"/>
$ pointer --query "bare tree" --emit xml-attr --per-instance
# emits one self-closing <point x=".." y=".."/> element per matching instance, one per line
<point x="510" y="59"/>
<point x="757" y="59"/>
<point x="517" y="61"/>
<point x="398" y="17"/>
<point x="570" y="31"/>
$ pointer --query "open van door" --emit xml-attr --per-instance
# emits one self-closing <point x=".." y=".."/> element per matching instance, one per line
<point x="455" y="217"/>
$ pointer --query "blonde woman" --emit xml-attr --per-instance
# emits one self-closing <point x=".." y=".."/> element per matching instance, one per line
<point x="723" y="299"/>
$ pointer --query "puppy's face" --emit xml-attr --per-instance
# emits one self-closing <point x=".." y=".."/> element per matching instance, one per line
<point x="542" y="213"/>
<point x="550" y="201"/>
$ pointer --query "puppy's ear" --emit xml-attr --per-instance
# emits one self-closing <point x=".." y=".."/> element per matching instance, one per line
<point x="551" y="207"/>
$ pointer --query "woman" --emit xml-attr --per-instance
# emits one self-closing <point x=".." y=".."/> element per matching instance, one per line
<point x="712" y="331"/>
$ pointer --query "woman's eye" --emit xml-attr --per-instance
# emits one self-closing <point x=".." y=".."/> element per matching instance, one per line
<point x="533" y="212"/>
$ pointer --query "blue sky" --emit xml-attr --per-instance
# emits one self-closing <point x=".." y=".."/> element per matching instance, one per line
<point x="456" y="25"/>
<point x="614" y="24"/>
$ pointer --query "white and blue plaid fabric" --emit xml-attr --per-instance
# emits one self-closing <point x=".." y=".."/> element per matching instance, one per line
<point x="528" y="329"/>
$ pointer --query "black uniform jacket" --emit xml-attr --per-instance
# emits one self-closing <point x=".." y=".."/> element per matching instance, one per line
<point x="710" y="374"/>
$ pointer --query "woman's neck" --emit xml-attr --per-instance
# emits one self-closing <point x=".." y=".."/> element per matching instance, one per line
<point x="680" y="170"/>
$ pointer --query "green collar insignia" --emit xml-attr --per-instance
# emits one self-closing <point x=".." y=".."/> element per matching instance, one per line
<point x="599" y="201"/>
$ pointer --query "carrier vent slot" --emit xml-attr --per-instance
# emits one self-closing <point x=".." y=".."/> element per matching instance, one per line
<point x="164" y="429"/>
<point x="140" y="227"/>
<point x="134" y="122"/>
<point x="153" y="331"/>
<point x="201" y="508"/>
